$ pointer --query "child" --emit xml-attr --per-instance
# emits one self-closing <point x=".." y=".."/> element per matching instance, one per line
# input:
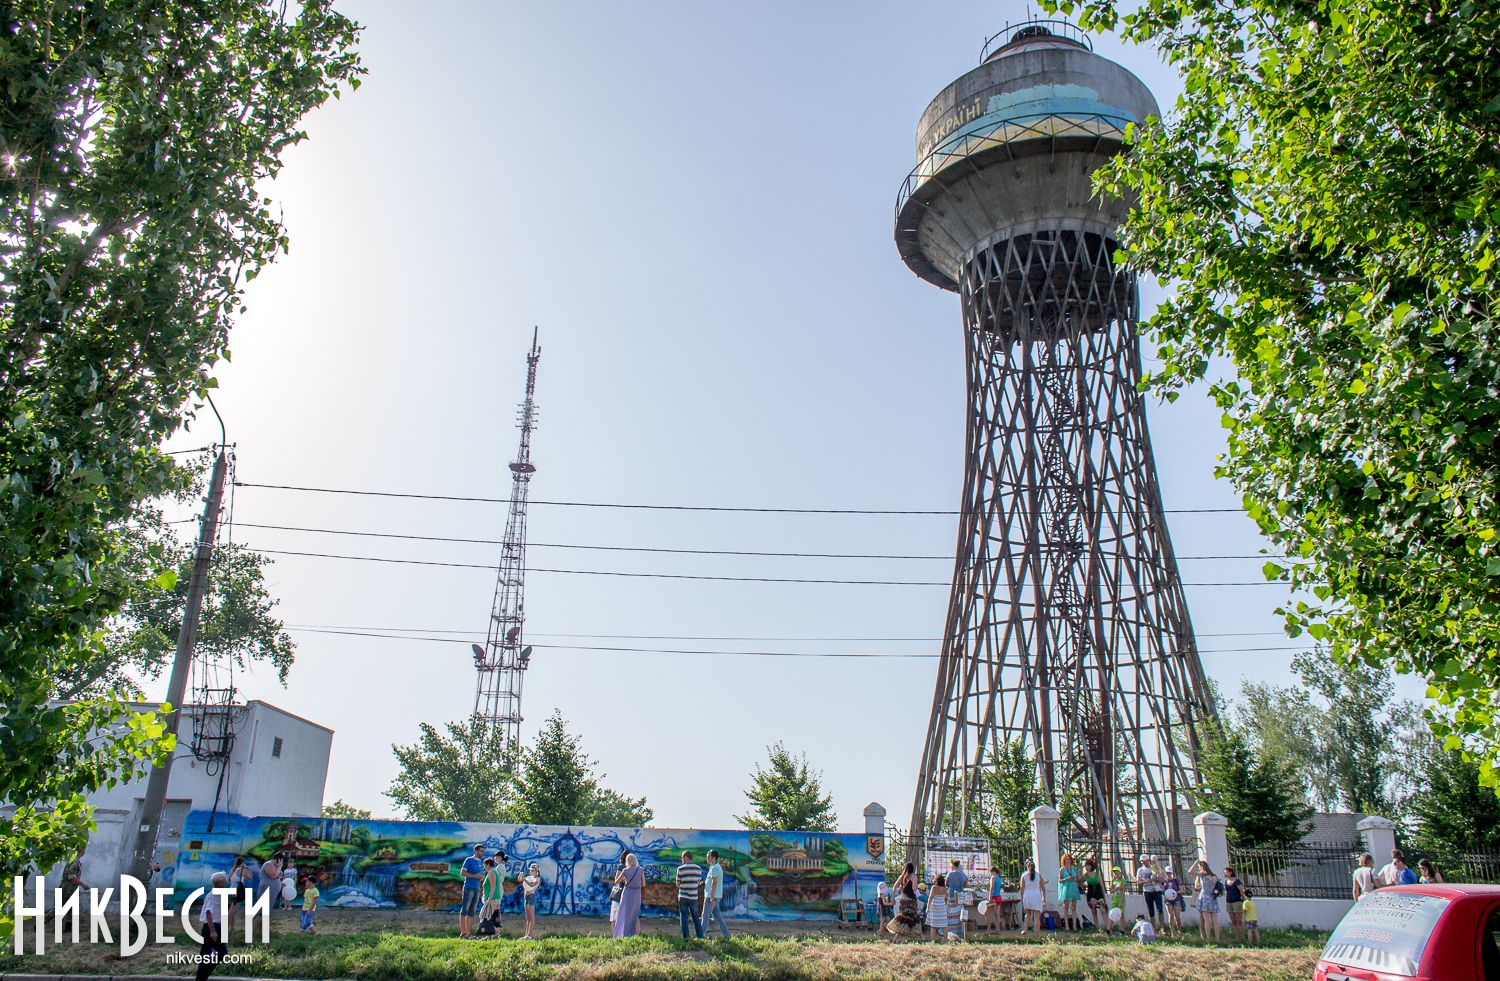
<point x="309" y="902"/>
<point x="1143" y="930"/>
<point x="1172" y="896"/>
<point x="288" y="884"/>
<point x="1116" y="899"/>
<point x="1252" y="926"/>
<point x="937" y="907"/>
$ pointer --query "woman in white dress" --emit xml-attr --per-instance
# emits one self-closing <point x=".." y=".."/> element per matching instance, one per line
<point x="937" y="908"/>
<point x="1033" y="890"/>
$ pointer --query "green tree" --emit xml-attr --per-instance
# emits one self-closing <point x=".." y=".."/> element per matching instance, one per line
<point x="1259" y="796"/>
<point x="609" y="809"/>
<point x="1325" y="197"/>
<point x="237" y="622"/>
<point x="1455" y="814"/>
<point x="136" y="140"/>
<point x="462" y="776"/>
<point x="1340" y="730"/>
<point x="1009" y="791"/>
<point x="787" y="796"/>
<point x="558" y="785"/>
<point x="339" y="809"/>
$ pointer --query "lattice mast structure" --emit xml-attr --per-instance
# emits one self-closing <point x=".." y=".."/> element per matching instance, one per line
<point x="503" y="660"/>
<point x="1067" y="628"/>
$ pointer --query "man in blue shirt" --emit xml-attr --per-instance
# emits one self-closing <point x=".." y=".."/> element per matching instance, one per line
<point x="958" y="880"/>
<point x="473" y="876"/>
<point x="713" y="894"/>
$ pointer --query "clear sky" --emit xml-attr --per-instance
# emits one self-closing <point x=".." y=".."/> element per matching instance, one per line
<point x="694" y="202"/>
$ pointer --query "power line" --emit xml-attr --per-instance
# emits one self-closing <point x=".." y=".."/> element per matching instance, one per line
<point x="659" y="650"/>
<point x="671" y="575"/>
<point x="652" y="549"/>
<point x="851" y="640"/>
<point x="651" y="507"/>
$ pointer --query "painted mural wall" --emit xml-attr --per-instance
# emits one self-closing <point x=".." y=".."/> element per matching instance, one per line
<point x="415" y="864"/>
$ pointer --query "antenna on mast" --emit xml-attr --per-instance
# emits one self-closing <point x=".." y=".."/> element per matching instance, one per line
<point x="503" y="659"/>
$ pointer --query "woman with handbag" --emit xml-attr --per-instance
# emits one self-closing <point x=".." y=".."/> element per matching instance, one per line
<point x="629" y="881"/>
<point x="616" y="890"/>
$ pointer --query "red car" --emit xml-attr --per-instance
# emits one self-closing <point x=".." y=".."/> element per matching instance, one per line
<point x="1417" y="933"/>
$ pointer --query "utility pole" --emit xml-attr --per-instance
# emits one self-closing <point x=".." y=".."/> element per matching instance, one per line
<point x="187" y="639"/>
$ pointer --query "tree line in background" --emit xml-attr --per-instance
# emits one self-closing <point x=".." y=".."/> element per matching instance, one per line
<point x="1341" y="741"/>
<point x="463" y="776"/>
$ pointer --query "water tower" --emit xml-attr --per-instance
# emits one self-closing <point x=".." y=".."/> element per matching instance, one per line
<point x="1067" y="629"/>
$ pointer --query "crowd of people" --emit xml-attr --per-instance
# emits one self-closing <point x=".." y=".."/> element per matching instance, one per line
<point x="948" y="908"/>
<point x="1086" y="898"/>
<point x="700" y="893"/>
<point x="1394" y="873"/>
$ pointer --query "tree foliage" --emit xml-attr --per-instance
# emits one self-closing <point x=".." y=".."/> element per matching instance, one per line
<point x="787" y="795"/>
<point x="237" y="622"/>
<point x="1009" y="792"/>
<point x="1341" y="731"/>
<point x="1260" y="796"/>
<point x="134" y="139"/>
<point x="558" y="785"/>
<point x="462" y="776"/>
<point x="465" y="777"/>
<point x="339" y="809"/>
<point x="1454" y="814"/>
<point x="1325" y="197"/>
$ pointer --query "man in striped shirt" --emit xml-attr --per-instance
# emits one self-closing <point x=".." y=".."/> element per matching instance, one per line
<point x="689" y="886"/>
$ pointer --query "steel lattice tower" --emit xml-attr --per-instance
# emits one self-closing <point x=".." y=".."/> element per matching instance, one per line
<point x="502" y="661"/>
<point x="1067" y="628"/>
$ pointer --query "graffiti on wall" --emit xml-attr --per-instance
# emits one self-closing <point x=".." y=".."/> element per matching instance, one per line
<point x="415" y="864"/>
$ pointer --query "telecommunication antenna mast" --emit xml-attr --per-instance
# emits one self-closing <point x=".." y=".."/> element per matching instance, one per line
<point x="502" y="661"/>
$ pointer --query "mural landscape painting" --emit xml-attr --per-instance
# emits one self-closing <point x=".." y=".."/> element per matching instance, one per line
<point x="414" y="864"/>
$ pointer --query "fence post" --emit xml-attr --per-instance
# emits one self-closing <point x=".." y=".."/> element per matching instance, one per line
<point x="1380" y="837"/>
<point x="874" y="820"/>
<point x="1045" y="851"/>
<point x="1213" y="840"/>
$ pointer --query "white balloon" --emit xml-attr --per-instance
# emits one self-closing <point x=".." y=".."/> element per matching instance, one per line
<point x="1116" y="914"/>
<point x="984" y="907"/>
<point x="288" y="891"/>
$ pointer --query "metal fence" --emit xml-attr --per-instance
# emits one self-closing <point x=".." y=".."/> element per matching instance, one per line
<point x="1303" y="871"/>
<point x="1006" y="857"/>
<point x="1009" y="858"/>
<point x="1463" y="866"/>
<point x="1127" y="853"/>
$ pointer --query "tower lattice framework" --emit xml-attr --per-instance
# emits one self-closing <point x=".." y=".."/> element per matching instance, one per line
<point x="1067" y="630"/>
<point x="502" y="661"/>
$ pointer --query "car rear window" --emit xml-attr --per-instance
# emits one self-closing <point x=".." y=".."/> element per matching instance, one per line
<point x="1386" y="931"/>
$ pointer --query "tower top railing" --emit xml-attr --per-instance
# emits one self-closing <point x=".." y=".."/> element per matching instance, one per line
<point x="1029" y="29"/>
